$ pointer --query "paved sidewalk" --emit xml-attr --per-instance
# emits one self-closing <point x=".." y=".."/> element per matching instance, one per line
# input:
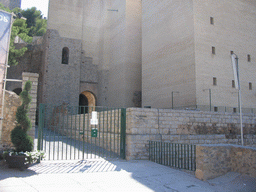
<point x="114" y="175"/>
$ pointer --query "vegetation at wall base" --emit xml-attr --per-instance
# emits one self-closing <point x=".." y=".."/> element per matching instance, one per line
<point x="19" y="137"/>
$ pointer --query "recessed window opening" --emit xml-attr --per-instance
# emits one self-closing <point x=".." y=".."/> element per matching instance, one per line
<point x="211" y="20"/>
<point x="250" y="86"/>
<point x="249" y="58"/>
<point x="213" y="50"/>
<point x="65" y="55"/>
<point x="234" y="110"/>
<point x="214" y="79"/>
<point x="233" y="84"/>
<point x="215" y="109"/>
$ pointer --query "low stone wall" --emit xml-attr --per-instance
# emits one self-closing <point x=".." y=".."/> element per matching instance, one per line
<point x="12" y="102"/>
<point x="216" y="160"/>
<point x="181" y="126"/>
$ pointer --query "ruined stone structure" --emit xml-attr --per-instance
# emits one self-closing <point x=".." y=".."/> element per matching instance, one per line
<point x="12" y="102"/>
<point x="216" y="160"/>
<point x="132" y="53"/>
<point x="11" y="4"/>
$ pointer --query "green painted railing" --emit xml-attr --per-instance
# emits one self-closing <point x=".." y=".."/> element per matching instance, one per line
<point x="182" y="156"/>
<point x="66" y="132"/>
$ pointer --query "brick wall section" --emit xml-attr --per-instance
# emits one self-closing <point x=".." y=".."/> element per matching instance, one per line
<point x="33" y="77"/>
<point x="216" y="160"/>
<point x="192" y="127"/>
<point x="12" y="102"/>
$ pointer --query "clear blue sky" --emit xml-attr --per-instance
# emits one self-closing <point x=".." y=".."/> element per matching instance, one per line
<point x="41" y="5"/>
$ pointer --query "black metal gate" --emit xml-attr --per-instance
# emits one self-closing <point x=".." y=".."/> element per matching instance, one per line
<point x="70" y="133"/>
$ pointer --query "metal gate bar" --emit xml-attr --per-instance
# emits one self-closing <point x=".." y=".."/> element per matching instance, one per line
<point x="64" y="133"/>
<point x="181" y="156"/>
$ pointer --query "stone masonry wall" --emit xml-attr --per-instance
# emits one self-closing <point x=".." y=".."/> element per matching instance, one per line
<point x="33" y="77"/>
<point x="180" y="126"/>
<point x="216" y="160"/>
<point x="12" y="102"/>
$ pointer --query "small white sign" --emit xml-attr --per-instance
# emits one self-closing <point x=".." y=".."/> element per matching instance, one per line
<point x="94" y="120"/>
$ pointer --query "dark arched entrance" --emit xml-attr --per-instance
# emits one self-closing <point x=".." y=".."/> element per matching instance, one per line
<point x="17" y="91"/>
<point x="83" y="104"/>
<point x="87" y="102"/>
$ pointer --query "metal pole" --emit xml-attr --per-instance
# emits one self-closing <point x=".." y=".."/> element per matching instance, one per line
<point x="210" y="98"/>
<point x="240" y="104"/>
<point x="172" y="99"/>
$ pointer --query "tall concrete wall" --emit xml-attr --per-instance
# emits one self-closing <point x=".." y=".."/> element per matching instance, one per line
<point x="121" y="39"/>
<point x="168" y="53"/>
<point x="178" y="64"/>
<point x="110" y="33"/>
<point x="233" y="30"/>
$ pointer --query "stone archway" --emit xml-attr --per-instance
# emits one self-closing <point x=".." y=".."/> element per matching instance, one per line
<point x="87" y="98"/>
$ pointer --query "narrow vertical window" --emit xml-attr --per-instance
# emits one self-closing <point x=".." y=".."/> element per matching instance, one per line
<point x="233" y="84"/>
<point x="65" y="55"/>
<point x="249" y="58"/>
<point x="211" y="21"/>
<point x="214" y="81"/>
<point x="213" y="50"/>
<point x="250" y="86"/>
<point x="215" y="109"/>
<point x="234" y="110"/>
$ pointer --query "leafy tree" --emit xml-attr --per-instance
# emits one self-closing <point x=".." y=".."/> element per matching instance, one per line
<point x="25" y="29"/>
<point x="20" y="29"/>
<point x="35" y="21"/>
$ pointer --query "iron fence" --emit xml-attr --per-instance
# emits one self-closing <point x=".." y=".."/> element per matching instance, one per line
<point x="66" y="132"/>
<point x="182" y="156"/>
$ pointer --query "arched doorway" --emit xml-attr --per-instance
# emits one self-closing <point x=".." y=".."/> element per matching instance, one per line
<point x="87" y="102"/>
<point x="83" y="104"/>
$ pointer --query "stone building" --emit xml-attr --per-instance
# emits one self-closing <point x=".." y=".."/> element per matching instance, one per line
<point x="162" y="54"/>
<point x="11" y="4"/>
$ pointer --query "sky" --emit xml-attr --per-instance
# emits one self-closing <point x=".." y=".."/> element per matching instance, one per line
<point x="41" y="5"/>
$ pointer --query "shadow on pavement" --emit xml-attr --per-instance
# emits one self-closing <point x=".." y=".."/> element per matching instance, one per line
<point x="13" y="172"/>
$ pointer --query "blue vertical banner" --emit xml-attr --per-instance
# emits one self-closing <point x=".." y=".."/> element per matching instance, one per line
<point x="5" y="32"/>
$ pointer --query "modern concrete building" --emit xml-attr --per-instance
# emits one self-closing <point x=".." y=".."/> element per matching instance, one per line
<point x="162" y="54"/>
<point x="186" y="53"/>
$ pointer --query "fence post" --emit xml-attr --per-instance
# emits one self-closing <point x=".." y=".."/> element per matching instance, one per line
<point x="40" y="126"/>
<point x="123" y="133"/>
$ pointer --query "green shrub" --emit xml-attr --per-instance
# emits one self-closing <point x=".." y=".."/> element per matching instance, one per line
<point x="21" y="140"/>
<point x="19" y="137"/>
